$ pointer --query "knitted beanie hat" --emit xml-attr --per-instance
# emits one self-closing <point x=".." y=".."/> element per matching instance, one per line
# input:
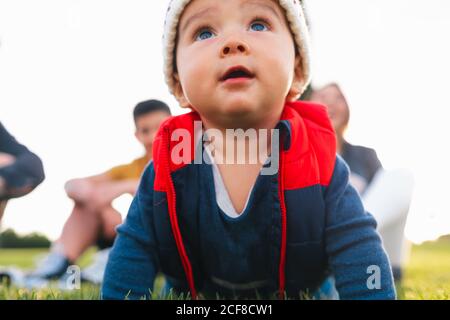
<point x="294" y="15"/>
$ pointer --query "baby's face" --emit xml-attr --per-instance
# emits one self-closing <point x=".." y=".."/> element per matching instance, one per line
<point x="236" y="61"/>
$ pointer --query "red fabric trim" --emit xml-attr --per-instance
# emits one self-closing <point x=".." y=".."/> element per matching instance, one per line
<point x="171" y="201"/>
<point x="183" y="122"/>
<point x="282" y="264"/>
<point x="312" y="136"/>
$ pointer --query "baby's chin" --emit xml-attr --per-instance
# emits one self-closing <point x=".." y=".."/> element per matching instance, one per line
<point x="237" y="117"/>
<point x="235" y="112"/>
<point x="239" y="107"/>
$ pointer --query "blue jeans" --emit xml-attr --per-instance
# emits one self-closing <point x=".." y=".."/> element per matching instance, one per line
<point x="327" y="290"/>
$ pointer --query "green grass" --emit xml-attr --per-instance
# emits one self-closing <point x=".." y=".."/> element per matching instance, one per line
<point x="26" y="259"/>
<point x="23" y="258"/>
<point x="87" y="292"/>
<point x="427" y="275"/>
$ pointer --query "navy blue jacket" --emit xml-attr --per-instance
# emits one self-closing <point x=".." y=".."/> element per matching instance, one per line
<point x="301" y="224"/>
<point x="25" y="174"/>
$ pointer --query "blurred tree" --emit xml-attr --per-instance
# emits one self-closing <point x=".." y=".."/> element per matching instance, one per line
<point x="10" y="239"/>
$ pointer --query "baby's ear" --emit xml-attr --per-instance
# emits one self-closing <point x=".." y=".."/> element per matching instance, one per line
<point x="179" y="93"/>
<point x="297" y="82"/>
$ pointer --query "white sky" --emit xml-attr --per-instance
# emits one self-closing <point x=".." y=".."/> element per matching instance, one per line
<point x="72" y="71"/>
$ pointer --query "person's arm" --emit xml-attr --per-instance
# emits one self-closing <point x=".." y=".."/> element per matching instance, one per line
<point x="25" y="173"/>
<point x="355" y="252"/>
<point x="2" y="187"/>
<point x="6" y="160"/>
<point x="81" y="189"/>
<point x="99" y="190"/>
<point x="104" y="193"/>
<point x="133" y="262"/>
<point x="389" y="196"/>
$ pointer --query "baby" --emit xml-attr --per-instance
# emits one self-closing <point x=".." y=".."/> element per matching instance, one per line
<point x="232" y="228"/>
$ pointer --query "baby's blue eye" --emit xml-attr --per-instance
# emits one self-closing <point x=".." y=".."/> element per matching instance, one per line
<point x="258" y="26"/>
<point x="204" y="35"/>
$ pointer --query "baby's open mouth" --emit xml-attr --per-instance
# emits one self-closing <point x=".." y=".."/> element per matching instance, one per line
<point x="237" y="73"/>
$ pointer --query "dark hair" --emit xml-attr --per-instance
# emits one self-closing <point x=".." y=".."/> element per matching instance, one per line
<point x="149" y="106"/>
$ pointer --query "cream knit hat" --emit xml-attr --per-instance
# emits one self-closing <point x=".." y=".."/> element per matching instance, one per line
<point x="295" y="17"/>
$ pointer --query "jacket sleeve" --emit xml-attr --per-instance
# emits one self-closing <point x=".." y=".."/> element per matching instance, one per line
<point x="132" y="264"/>
<point x="26" y="173"/>
<point x="355" y="252"/>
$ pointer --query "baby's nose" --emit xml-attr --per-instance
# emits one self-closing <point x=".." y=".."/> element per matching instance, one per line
<point x="235" y="47"/>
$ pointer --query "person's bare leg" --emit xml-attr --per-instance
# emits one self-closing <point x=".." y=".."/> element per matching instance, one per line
<point x="80" y="231"/>
<point x="2" y="209"/>
<point x="110" y="219"/>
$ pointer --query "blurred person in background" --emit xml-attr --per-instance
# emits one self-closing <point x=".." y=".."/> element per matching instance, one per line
<point x="93" y="220"/>
<point x="385" y="193"/>
<point x="21" y="171"/>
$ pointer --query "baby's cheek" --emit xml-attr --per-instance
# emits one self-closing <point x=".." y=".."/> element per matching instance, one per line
<point x="194" y="79"/>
